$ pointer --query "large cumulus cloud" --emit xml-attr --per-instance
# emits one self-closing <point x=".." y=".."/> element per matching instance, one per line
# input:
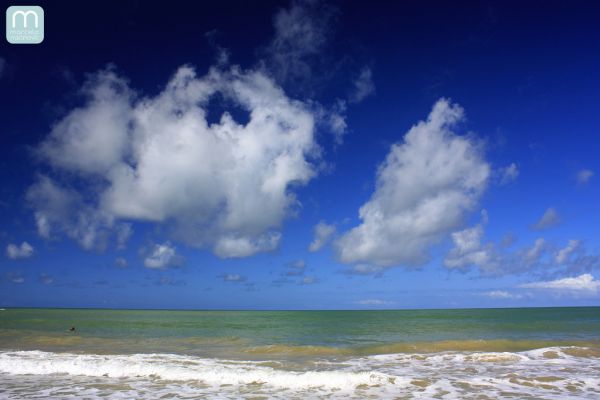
<point x="226" y="185"/>
<point x="424" y="188"/>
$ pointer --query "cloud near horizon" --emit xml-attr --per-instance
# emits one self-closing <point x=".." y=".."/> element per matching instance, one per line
<point x="374" y="302"/>
<point x="502" y="294"/>
<point x="424" y="189"/>
<point x="582" y="284"/>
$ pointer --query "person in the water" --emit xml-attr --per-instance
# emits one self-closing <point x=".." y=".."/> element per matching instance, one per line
<point x="72" y="329"/>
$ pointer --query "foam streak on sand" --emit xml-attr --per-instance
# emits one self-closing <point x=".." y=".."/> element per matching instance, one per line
<point x="551" y="373"/>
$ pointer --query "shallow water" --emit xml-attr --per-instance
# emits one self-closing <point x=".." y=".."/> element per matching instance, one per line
<point x="547" y="353"/>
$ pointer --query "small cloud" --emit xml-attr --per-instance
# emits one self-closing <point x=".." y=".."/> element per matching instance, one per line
<point x="302" y="32"/>
<point x="563" y="254"/>
<point x="585" y="284"/>
<point x="13" y="251"/>
<point x="366" y="269"/>
<point x="469" y="250"/>
<point x="164" y="280"/>
<point x="162" y="256"/>
<point x="222" y="54"/>
<point x="548" y="220"/>
<point x="534" y="253"/>
<point x="168" y="281"/>
<point x="584" y="176"/>
<point x="15" y="277"/>
<point x="508" y="174"/>
<point x="373" y="302"/>
<point x="363" y="86"/>
<point x="335" y="120"/>
<point x="296" y="268"/>
<point x="46" y="279"/>
<point x="309" y="280"/>
<point x="233" y="278"/>
<point x="124" y="232"/>
<point x="121" y="262"/>
<point x="323" y="233"/>
<point x="501" y="294"/>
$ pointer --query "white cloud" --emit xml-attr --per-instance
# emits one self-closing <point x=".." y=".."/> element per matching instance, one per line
<point x="373" y="302"/>
<point x="534" y="253"/>
<point x="24" y="250"/>
<point x="225" y="185"/>
<point x="548" y="220"/>
<point x="469" y="251"/>
<point x="334" y="120"/>
<point x="309" y="280"/>
<point x="62" y="210"/>
<point x="323" y="232"/>
<point x="501" y="294"/>
<point x="509" y="174"/>
<point x="584" y="283"/>
<point x="15" y="277"/>
<point x="233" y="245"/>
<point x="492" y="260"/>
<point x="123" y="232"/>
<point x="584" y="176"/>
<point x="162" y="256"/>
<point x="233" y="278"/>
<point x="94" y="138"/>
<point x="563" y="254"/>
<point x="574" y="258"/>
<point x="424" y="189"/>
<point x="301" y="34"/>
<point x="363" y="86"/>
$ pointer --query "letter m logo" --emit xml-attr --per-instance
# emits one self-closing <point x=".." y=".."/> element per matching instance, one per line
<point x="24" y="24"/>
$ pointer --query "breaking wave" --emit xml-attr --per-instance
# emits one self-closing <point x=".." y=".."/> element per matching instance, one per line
<point x="550" y="372"/>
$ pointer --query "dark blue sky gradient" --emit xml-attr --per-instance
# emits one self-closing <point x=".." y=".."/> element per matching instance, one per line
<point x="526" y="73"/>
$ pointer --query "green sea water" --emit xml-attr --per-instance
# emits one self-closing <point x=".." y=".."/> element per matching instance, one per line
<point x="248" y="334"/>
<point x="528" y="353"/>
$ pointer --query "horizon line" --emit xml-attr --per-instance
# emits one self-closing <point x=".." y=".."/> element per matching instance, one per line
<point x="294" y="309"/>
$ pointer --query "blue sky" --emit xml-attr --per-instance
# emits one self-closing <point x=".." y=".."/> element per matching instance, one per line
<point x="302" y="155"/>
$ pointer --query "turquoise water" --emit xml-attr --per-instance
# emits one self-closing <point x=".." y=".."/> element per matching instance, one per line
<point x="534" y="352"/>
<point x="245" y="330"/>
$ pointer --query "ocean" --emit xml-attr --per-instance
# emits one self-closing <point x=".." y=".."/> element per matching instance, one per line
<point x="528" y="353"/>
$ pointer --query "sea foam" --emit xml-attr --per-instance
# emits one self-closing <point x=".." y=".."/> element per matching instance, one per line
<point x="551" y="373"/>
